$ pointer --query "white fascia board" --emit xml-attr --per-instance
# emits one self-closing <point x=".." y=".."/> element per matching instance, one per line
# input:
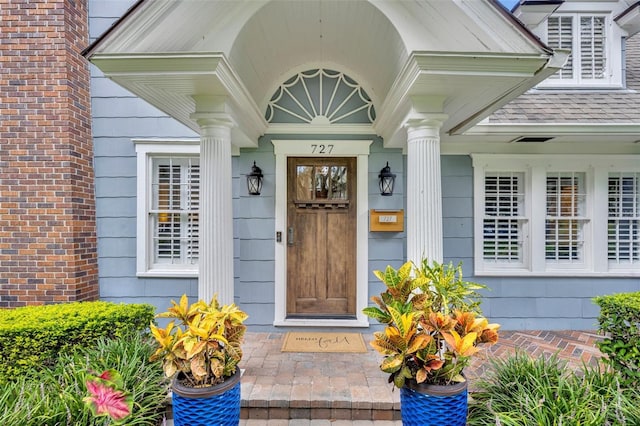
<point x="131" y="29"/>
<point x="548" y="148"/>
<point x="156" y="63"/>
<point x="532" y="13"/>
<point x="591" y="6"/>
<point x="482" y="64"/>
<point x="554" y="129"/>
<point x="629" y="20"/>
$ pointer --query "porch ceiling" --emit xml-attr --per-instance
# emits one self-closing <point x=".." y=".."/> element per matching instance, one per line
<point x="465" y="58"/>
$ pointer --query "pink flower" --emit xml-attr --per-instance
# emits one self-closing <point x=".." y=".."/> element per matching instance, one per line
<point x="105" y="398"/>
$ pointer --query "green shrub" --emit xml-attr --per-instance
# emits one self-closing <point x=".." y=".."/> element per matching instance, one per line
<point x="54" y="396"/>
<point x="620" y="322"/>
<point x="521" y="391"/>
<point x="33" y="336"/>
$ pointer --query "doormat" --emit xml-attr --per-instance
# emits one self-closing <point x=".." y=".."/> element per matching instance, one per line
<point x="323" y="342"/>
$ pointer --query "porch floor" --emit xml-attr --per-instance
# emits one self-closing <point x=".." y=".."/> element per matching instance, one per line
<point x="340" y="389"/>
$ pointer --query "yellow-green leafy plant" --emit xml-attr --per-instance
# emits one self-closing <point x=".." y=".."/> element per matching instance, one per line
<point x="205" y="345"/>
<point x="433" y="323"/>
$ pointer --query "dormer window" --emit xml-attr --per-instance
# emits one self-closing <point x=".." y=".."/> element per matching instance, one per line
<point x="586" y="37"/>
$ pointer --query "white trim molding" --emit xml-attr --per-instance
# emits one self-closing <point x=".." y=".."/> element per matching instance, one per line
<point x="322" y="148"/>
<point x="146" y="150"/>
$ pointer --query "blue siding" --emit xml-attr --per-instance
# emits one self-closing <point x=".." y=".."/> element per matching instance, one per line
<point x="385" y="248"/>
<point x="127" y="106"/>
<point x="112" y="247"/>
<point x="118" y="116"/>
<point x="457" y="211"/>
<point x="118" y="227"/>
<point x="102" y="13"/>
<point x="254" y="233"/>
<point x="111" y="147"/>
<point x="115" y="207"/>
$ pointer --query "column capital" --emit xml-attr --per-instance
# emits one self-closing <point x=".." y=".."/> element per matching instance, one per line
<point x="211" y="123"/>
<point x="425" y="125"/>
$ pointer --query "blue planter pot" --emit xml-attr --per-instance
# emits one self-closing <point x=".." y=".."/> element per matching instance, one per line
<point x="210" y="406"/>
<point x="433" y="405"/>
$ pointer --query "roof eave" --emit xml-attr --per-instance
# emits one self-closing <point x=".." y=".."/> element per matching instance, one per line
<point x="629" y="20"/>
<point x="97" y="43"/>
<point x="172" y="81"/>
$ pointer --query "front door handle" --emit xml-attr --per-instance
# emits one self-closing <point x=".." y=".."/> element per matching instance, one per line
<point x="290" y="236"/>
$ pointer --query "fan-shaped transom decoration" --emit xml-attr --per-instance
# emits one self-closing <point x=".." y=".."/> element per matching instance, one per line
<point x="320" y="96"/>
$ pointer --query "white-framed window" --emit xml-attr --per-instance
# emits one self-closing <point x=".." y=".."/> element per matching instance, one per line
<point x="556" y="215"/>
<point x="595" y="50"/>
<point x="168" y="200"/>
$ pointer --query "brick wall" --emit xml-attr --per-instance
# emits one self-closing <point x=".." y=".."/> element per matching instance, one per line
<point x="47" y="207"/>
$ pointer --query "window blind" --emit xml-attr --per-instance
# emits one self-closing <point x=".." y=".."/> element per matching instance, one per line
<point x="174" y="211"/>
<point x="503" y="217"/>
<point x="565" y="217"/>
<point x="560" y="36"/>
<point x="624" y="218"/>
<point x="592" y="47"/>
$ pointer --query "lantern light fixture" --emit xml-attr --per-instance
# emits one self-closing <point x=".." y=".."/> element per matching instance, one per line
<point x="254" y="180"/>
<point x="386" y="180"/>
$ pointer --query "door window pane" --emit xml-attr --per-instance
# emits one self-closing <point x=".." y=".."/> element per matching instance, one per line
<point x="304" y="182"/>
<point x="321" y="182"/>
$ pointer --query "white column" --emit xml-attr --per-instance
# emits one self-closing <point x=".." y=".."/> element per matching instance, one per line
<point x="424" y="191"/>
<point x="216" y="214"/>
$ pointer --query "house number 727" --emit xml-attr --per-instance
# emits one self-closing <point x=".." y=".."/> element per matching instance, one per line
<point x="321" y="149"/>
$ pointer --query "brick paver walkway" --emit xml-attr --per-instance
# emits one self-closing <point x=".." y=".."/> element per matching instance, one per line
<point x="283" y="385"/>
<point x="574" y="347"/>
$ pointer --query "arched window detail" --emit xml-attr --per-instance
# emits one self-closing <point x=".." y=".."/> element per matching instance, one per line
<point x="320" y="96"/>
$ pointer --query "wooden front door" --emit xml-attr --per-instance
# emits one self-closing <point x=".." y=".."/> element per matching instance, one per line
<point x="321" y="237"/>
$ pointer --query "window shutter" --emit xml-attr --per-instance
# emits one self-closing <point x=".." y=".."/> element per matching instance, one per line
<point x="565" y="211"/>
<point x="502" y="223"/>
<point x="560" y="36"/>
<point x="193" y="219"/>
<point x="174" y="212"/>
<point x="592" y="47"/>
<point x="167" y="200"/>
<point x="624" y="218"/>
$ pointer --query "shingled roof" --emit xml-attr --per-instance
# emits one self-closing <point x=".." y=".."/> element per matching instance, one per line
<point x="580" y="106"/>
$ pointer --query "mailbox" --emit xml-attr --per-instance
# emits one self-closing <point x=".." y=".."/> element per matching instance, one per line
<point x="386" y="220"/>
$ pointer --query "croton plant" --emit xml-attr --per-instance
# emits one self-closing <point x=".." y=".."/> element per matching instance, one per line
<point x="433" y="323"/>
<point x="205" y="344"/>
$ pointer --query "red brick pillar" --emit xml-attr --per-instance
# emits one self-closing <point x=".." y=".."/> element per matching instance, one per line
<point x="47" y="206"/>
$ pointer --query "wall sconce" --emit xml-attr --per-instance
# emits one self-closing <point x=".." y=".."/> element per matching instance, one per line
<point x="387" y="179"/>
<point x="254" y="180"/>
